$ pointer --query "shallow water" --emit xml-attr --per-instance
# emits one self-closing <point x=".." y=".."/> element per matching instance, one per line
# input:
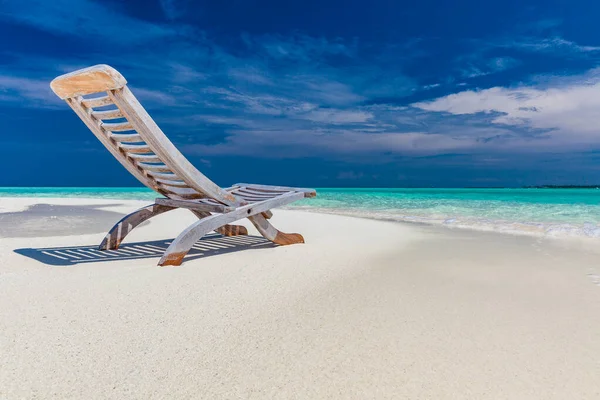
<point x="549" y="212"/>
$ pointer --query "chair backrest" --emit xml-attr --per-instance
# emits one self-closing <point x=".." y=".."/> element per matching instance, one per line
<point x="100" y="97"/>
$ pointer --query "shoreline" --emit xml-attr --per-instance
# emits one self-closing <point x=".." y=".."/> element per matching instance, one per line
<point x="529" y="229"/>
<point x="557" y="231"/>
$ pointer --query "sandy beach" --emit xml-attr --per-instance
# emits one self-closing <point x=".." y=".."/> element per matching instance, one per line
<point x="365" y="309"/>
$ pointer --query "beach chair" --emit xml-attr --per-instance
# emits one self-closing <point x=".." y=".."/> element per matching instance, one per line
<point x="100" y="97"/>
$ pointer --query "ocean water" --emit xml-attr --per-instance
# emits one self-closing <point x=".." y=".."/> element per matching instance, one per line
<point x="547" y="212"/>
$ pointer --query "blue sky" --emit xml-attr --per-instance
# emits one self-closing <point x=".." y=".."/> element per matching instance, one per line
<point x="315" y="93"/>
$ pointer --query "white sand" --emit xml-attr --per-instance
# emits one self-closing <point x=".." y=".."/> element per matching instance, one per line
<point x="365" y="309"/>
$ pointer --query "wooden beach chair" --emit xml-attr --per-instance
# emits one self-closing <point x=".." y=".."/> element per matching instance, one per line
<point x="100" y="97"/>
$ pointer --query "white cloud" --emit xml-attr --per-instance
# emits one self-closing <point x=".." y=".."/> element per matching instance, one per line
<point x="310" y="142"/>
<point x="492" y="66"/>
<point x="332" y="116"/>
<point x="88" y="18"/>
<point x="328" y="91"/>
<point x="250" y="75"/>
<point x="549" y="45"/>
<point x="566" y="108"/>
<point x="27" y="92"/>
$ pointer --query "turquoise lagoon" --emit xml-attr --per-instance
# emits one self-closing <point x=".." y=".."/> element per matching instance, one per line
<point x="549" y="212"/>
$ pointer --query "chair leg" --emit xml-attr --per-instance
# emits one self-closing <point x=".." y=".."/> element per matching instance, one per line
<point x="232" y="230"/>
<point x="270" y="232"/>
<point x="225" y="230"/>
<point x="118" y="232"/>
<point x="186" y="239"/>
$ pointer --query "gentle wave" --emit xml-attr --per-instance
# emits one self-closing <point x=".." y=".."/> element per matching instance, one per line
<point x="557" y="230"/>
<point x="588" y="229"/>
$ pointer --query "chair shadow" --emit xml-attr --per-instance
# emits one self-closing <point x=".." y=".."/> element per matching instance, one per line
<point x="210" y="245"/>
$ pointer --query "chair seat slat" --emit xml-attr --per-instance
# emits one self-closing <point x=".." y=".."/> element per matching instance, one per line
<point x="269" y="188"/>
<point x="187" y="193"/>
<point x="154" y="167"/>
<point x="145" y="157"/>
<point x="171" y="183"/>
<point x="208" y="201"/>
<point x="97" y="102"/>
<point x="196" y="205"/>
<point x="253" y="196"/>
<point x="136" y="148"/>
<point x="109" y="114"/>
<point x="262" y="193"/>
<point x="117" y="127"/>
<point x="126" y="137"/>
<point x="250" y="199"/>
<point x="160" y="175"/>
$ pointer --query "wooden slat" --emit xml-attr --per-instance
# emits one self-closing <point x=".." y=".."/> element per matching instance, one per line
<point x="266" y="195"/>
<point x="97" y="102"/>
<point x="154" y="167"/>
<point x="267" y="188"/>
<point x="109" y="114"/>
<point x="144" y="157"/>
<point x="117" y="127"/>
<point x="253" y="198"/>
<point x="125" y="137"/>
<point x="195" y="205"/>
<point x="154" y="136"/>
<point x="136" y="148"/>
<point x="185" y="193"/>
<point x="262" y="192"/>
<point x="76" y="105"/>
<point x="160" y="175"/>
<point x="208" y="200"/>
<point x="168" y="182"/>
